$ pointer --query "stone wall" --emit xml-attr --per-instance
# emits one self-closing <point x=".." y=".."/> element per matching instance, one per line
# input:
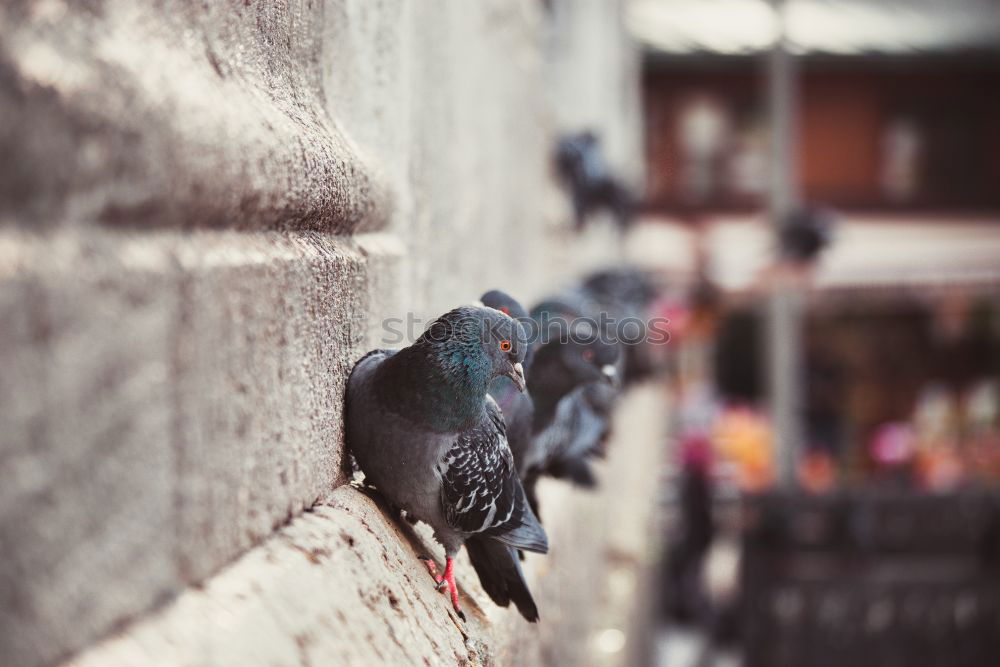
<point x="206" y="209"/>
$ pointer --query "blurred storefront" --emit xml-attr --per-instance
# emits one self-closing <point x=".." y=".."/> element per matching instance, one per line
<point x="895" y="141"/>
<point x="897" y="109"/>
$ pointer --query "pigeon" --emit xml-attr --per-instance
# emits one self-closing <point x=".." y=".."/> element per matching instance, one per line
<point x="567" y="429"/>
<point x="621" y="288"/>
<point x="563" y="364"/>
<point x="557" y="314"/>
<point x="428" y="437"/>
<point x="626" y="294"/>
<point x="563" y="367"/>
<point x="583" y="165"/>
<point x="804" y="234"/>
<point x="508" y="305"/>
<point x="574" y="307"/>
<point x="592" y="407"/>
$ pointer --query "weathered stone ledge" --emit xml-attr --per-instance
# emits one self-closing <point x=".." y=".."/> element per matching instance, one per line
<point x="342" y="584"/>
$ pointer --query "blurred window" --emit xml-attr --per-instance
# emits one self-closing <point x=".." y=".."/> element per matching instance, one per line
<point x="703" y="130"/>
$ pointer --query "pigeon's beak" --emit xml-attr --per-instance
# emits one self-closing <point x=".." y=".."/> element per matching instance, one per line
<point x="610" y="374"/>
<point x="516" y="373"/>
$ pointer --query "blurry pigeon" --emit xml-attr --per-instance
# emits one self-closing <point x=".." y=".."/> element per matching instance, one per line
<point x="562" y="365"/>
<point x="563" y="433"/>
<point x="429" y="438"/>
<point x="621" y="288"/>
<point x="597" y="401"/>
<point x="593" y="186"/>
<point x="557" y="314"/>
<point x="804" y="233"/>
<point x="568" y="443"/>
<point x="626" y="294"/>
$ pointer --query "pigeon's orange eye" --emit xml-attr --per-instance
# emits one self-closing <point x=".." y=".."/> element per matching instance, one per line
<point x="505" y="345"/>
<point x="588" y="355"/>
<point x="505" y="310"/>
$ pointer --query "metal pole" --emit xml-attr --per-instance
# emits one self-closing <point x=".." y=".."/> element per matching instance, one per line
<point x="784" y="305"/>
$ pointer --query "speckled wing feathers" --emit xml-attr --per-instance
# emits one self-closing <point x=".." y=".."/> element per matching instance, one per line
<point x="481" y="492"/>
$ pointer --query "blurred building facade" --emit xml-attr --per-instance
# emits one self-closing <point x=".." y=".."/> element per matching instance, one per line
<point x="895" y="138"/>
<point x="894" y="113"/>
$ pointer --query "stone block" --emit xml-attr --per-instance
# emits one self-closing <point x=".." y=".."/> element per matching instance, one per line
<point x="169" y="401"/>
<point x="87" y="464"/>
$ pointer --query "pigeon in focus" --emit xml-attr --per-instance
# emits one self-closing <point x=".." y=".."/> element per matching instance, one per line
<point x="429" y="438"/>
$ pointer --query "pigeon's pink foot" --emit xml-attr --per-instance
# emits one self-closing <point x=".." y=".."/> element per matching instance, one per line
<point x="449" y="580"/>
<point x="433" y="569"/>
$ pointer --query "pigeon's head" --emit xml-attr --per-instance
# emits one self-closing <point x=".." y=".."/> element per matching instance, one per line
<point x="508" y="305"/>
<point x="588" y="356"/>
<point x="478" y="343"/>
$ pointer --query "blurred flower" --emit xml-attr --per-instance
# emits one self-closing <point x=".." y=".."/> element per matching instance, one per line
<point x="893" y="444"/>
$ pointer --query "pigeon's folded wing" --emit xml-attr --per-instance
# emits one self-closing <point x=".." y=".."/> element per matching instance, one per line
<point x="480" y="490"/>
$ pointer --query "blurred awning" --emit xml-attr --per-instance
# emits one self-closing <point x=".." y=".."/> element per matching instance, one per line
<point x="867" y="252"/>
<point x="832" y="27"/>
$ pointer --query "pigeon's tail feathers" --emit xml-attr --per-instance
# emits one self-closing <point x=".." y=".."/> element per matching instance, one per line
<point x="500" y="574"/>
<point x="576" y="470"/>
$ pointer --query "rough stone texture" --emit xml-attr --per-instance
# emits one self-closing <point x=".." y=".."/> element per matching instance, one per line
<point x="86" y="466"/>
<point x="178" y="113"/>
<point x="463" y="131"/>
<point x="206" y="209"/>
<point x="342" y="584"/>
